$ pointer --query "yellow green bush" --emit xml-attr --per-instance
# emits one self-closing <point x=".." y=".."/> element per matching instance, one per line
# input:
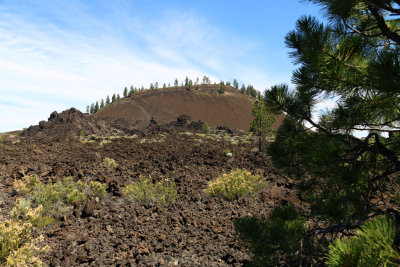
<point x="98" y="189"/>
<point x="17" y="246"/>
<point x="145" y="191"/>
<point x="239" y="183"/>
<point x="110" y="163"/>
<point x="55" y="198"/>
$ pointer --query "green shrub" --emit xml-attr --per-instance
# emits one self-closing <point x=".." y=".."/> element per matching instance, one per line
<point x="207" y="93"/>
<point x="110" y="163"/>
<point x="239" y="183"/>
<point x="55" y="198"/>
<point x="17" y="246"/>
<point x="205" y="129"/>
<point x="373" y="245"/>
<point x="98" y="189"/>
<point x="272" y="240"/>
<point x="145" y="191"/>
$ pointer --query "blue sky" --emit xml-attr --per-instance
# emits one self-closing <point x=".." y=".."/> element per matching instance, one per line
<point x="60" y="54"/>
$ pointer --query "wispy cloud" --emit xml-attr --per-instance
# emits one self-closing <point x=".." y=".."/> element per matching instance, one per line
<point x="59" y="60"/>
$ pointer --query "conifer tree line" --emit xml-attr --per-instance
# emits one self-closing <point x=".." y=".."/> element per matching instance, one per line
<point x="188" y="83"/>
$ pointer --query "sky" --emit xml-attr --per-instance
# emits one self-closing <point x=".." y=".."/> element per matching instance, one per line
<point x="55" y="55"/>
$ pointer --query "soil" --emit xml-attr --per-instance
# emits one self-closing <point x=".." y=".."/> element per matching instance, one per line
<point x="231" y="109"/>
<point x="196" y="230"/>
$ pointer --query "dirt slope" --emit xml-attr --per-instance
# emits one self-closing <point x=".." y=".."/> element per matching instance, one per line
<point x="231" y="109"/>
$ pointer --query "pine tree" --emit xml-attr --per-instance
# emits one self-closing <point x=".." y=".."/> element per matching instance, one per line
<point x="88" y="109"/>
<point x="176" y="83"/>
<point x="156" y="85"/>
<point x="164" y="86"/>
<point x="235" y="84"/>
<point x="222" y="87"/>
<point x="118" y="97"/>
<point x="251" y="91"/>
<point x="102" y="103"/>
<point x="131" y="91"/>
<point x="205" y="80"/>
<point x="243" y="89"/>
<point x="107" y="100"/>
<point x="125" y="94"/>
<point x="354" y="62"/>
<point x="186" y="81"/>
<point x="96" y="107"/>
<point x="262" y="121"/>
<point x="151" y="86"/>
<point x="197" y="81"/>
<point x="92" y="108"/>
<point x="113" y="98"/>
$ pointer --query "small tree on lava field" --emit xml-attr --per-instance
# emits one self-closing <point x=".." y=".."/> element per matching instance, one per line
<point x="261" y="124"/>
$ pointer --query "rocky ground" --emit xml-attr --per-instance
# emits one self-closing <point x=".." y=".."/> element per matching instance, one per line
<point x="195" y="230"/>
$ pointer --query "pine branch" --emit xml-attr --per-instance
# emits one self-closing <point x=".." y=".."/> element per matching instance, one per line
<point x="382" y="25"/>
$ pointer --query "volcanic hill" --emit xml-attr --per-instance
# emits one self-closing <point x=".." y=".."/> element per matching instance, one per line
<point x="200" y="103"/>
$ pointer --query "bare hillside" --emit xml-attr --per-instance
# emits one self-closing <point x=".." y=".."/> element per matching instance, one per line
<point x="231" y="109"/>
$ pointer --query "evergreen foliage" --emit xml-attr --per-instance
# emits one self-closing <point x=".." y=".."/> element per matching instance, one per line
<point x="235" y="84"/>
<point x="354" y="62"/>
<point x="96" y="107"/>
<point x="125" y="94"/>
<point x="373" y="245"/>
<point x="262" y="122"/>
<point x="271" y="240"/>
<point x="222" y="88"/>
<point x="251" y="91"/>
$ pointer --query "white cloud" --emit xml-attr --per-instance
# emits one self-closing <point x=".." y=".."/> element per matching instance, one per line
<point x="48" y="66"/>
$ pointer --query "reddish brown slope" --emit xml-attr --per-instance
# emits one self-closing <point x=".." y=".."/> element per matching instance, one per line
<point x="230" y="109"/>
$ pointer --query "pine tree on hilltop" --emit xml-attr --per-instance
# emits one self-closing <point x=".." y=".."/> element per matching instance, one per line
<point x="107" y="100"/>
<point x="113" y="98"/>
<point x="235" y="84"/>
<point x="125" y="94"/>
<point x="176" y="83"/>
<point x="96" y="107"/>
<point x="87" y="109"/>
<point x="243" y="89"/>
<point x="102" y="103"/>
<point x="222" y="87"/>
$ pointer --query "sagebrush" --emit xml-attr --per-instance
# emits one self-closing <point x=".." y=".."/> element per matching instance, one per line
<point x="146" y="191"/>
<point x="239" y="183"/>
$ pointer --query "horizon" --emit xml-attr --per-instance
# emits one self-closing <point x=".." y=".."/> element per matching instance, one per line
<point x="60" y="55"/>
